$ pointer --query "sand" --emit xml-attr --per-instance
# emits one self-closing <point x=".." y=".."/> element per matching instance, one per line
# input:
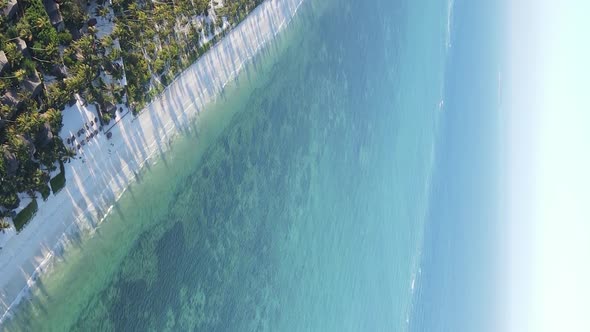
<point x="105" y="167"/>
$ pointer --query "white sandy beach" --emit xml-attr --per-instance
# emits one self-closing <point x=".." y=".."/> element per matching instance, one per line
<point x="104" y="169"/>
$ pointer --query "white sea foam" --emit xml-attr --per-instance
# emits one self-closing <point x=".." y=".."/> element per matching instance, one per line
<point x="448" y="38"/>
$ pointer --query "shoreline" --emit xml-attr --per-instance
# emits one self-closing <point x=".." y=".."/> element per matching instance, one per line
<point x="102" y="172"/>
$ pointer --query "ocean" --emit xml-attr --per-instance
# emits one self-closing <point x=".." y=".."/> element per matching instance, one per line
<point x="460" y="281"/>
<point x="304" y="199"/>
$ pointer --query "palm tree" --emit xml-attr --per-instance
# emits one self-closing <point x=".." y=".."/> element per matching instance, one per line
<point x="12" y="53"/>
<point x="18" y="74"/>
<point x="102" y="11"/>
<point x="113" y="88"/>
<point x="4" y="224"/>
<point x="38" y="179"/>
<point x="106" y="41"/>
<point x="68" y="155"/>
<point x="40" y="23"/>
<point x="24" y="30"/>
<point x="54" y="118"/>
<point x="29" y="122"/>
<point x="92" y="31"/>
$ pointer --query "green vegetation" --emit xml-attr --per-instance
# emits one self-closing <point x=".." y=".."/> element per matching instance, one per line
<point x="45" y="192"/>
<point x="4" y="224"/>
<point x="51" y="51"/>
<point x="29" y="142"/>
<point x="160" y="39"/>
<point x="23" y="217"/>
<point x="59" y="181"/>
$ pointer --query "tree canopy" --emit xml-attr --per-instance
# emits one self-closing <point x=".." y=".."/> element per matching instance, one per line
<point x="151" y="42"/>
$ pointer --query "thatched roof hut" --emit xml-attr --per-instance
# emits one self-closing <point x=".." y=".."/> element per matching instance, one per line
<point x="45" y="135"/>
<point x="33" y="84"/>
<point x="22" y="47"/>
<point x="3" y="61"/>
<point x="52" y="9"/>
<point x="10" y="9"/>
<point x="10" y="98"/>
<point x="10" y="162"/>
<point x="59" y="71"/>
<point x="29" y="144"/>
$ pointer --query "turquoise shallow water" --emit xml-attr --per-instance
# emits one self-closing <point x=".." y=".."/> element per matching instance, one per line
<point x="296" y="202"/>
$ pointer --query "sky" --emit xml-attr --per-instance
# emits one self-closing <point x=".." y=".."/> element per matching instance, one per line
<point x="547" y="159"/>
